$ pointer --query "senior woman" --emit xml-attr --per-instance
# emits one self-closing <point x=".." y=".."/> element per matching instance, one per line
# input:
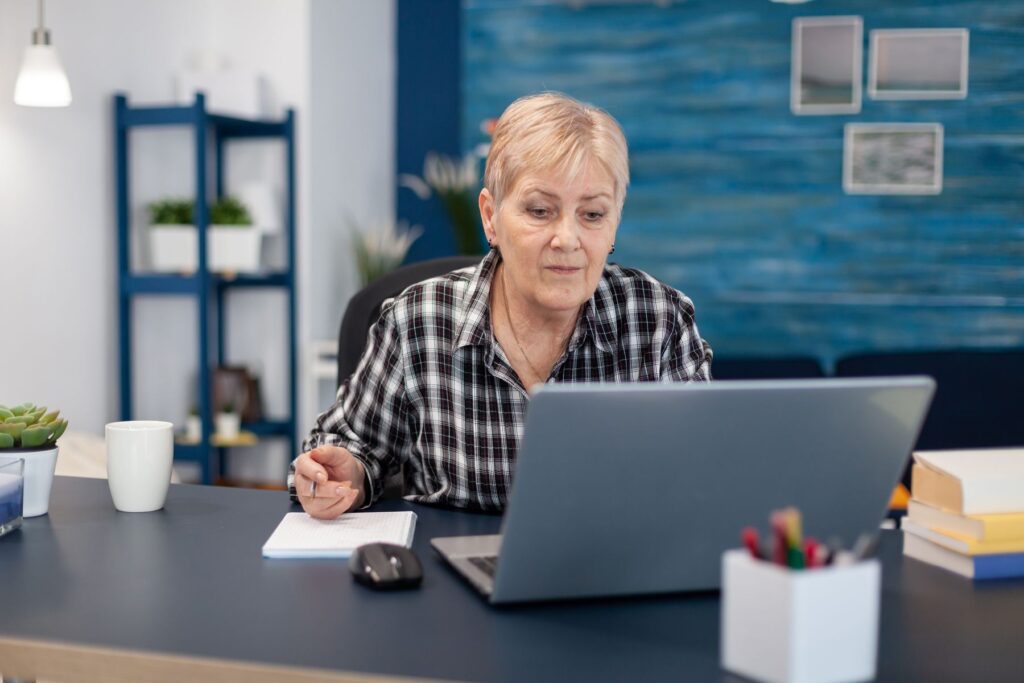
<point x="443" y="385"/>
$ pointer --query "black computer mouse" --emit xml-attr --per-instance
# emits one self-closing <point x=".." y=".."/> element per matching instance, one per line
<point x="385" y="566"/>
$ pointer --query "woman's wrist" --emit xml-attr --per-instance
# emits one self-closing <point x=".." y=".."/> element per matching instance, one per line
<point x="362" y="486"/>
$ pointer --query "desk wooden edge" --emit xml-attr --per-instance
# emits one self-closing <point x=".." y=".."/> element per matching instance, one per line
<point x="72" y="663"/>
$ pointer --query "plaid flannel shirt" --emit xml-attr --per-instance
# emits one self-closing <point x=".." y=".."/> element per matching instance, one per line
<point x="435" y="394"/>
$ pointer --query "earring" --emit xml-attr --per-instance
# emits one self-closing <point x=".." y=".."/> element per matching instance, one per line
<point x="612" y="250"/>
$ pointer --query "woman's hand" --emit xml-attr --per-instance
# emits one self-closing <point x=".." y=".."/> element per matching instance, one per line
<point x="339" y="482"/>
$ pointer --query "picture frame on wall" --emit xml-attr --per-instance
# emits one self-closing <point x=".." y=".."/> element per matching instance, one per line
<point x="892" y="158"/>
<point x="826" y="71"/>
<point x="918" y="64"/>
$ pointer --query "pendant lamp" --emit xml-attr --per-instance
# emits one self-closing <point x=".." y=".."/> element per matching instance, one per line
<point x="42" y="81"/>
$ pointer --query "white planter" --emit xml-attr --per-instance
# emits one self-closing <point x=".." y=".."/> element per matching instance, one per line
<point x="228" y="425"/>
<point x="40" y="464"/>
<point x="193" y="428"/>
<point x="175" y="248"/>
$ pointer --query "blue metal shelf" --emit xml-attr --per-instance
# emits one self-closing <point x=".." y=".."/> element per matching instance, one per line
<point x="159" y="284"/>
<point x="210" y="290"/>
<point x="255" y="280"/>
<point x="269" y="427"/>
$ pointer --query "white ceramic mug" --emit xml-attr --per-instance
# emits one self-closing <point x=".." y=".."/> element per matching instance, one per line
<point x="139" y="458"/>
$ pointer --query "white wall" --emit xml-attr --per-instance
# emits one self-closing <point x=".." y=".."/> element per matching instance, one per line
<point x="352" y="112"/>
<point x="57" y="222"/>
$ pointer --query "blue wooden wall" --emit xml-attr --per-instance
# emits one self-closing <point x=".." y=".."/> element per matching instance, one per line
<point x="739" y="203"/>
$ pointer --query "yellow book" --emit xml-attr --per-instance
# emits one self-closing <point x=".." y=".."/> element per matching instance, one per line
<point x="965" y="545"/>
<point x="1006" y="527"/>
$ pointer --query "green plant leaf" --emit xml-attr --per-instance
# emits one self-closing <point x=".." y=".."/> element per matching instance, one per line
<point x="13" y="428"/>
<point x="6" y="441"/>
<point x="19" y="410"/>
<point x="59" y="428"/>
<point x="23" y="419"/>
<point x="5" y="413"/>
<point x="49" y="417"/>
<point x="34" y="436"/>
<point x="229" y="211"/>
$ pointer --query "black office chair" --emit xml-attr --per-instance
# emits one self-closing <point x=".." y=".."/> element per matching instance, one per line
<point x="364" y="308"/>
<point x="978" y="397"/>
<point x="753" y="367"/>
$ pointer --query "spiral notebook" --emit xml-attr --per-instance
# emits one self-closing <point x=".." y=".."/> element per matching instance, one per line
<point x="299" y="535"/>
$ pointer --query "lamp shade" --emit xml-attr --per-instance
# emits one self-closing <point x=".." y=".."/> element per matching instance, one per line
<point x="42" y="81"/>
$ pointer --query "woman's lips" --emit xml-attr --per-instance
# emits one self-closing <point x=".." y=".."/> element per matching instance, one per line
<point x="564" y="270"/>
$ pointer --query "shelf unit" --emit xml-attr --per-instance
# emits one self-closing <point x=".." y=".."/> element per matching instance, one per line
<point x="210" y="131"/>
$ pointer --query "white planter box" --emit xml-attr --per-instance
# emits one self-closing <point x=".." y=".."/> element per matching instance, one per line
<point x="799" y="626"/>
<point x="175" y="248"/>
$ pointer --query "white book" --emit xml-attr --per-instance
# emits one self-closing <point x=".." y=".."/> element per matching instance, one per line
<point x="299" y="535"/>
<point x="982" y="482"/>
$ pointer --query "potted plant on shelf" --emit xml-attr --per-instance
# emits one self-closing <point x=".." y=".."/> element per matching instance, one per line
<point x="228" y="422"/>
<point x="193" y="426"/>
<point x="30" y="433"/>
<point x="233" y="244"/>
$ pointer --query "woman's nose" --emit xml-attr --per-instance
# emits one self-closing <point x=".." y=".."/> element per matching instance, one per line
<point x="567" y="236"/>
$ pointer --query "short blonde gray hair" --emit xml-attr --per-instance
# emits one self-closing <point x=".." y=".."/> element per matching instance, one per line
<point x="552" y="131"/>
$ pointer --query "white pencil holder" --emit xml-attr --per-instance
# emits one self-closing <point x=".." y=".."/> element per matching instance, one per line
<point x="799" y="626"/>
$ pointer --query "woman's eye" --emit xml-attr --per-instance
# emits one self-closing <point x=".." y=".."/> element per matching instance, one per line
<point x="538" y="212"/>
<point x="593" y="216"/>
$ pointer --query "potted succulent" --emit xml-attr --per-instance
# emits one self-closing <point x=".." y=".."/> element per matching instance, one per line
<point x="30" y="433"/>
<point x="228" y="422"/>
<point x="233" y="244"/>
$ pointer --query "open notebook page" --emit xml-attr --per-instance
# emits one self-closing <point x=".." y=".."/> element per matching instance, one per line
<point x="299" y="535"/>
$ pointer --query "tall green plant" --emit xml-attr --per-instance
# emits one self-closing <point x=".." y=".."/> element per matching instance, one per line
<point x="456" y="182"/>
<point x="381" y="250"/>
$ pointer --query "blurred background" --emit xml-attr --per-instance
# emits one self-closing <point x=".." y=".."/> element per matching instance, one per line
<point x="763" y="185"/>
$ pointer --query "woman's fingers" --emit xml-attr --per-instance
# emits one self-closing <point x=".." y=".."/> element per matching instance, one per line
<point x="327" y="508"/>
<point x="310" y="470"/>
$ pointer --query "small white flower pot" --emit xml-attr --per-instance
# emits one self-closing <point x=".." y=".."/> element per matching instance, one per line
<point x="228" y="425"/>
<point x="193" y="428"/>
<point x="40" y="464"/>
<point x="175" y="248"/>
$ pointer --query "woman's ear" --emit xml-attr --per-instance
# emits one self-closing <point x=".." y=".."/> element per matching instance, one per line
<point x="487" y="209"/>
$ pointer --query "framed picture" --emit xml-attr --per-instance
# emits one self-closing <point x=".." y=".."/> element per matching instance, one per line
<point x="918" y="64"/>
<point x="892" y="158"/>
<point x="234" y="387"/>
<point x="825" y="76"/>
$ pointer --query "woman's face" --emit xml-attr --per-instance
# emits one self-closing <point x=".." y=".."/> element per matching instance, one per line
<point x="554" y="235"/>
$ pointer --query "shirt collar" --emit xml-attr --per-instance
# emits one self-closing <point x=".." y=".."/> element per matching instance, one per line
<point x="475" y="329"/>
<point x="598" y="318"/>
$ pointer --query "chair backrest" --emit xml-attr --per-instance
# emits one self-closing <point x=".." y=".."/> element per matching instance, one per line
<point x="752" y="367"/>
<point x="364" y="308"/>
<point x="977" y="402"/>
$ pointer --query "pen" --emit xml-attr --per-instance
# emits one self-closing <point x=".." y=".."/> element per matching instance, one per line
<point x="794" y="530"/>
<point x="811" y="553"/>
<point x="312" y="489"/>
<point x="751" y="540"/>
<point x="779" y="543"/>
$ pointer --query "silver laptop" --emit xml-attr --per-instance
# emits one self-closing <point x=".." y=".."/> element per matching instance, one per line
<point x="625" y="489"/>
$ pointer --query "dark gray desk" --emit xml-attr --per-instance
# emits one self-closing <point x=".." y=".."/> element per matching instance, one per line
<point x="189" y="581"/>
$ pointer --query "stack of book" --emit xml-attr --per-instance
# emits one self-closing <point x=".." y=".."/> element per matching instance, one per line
<point x="966" y="512"/>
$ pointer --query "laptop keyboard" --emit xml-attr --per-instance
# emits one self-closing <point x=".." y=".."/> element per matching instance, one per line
<point x="487" y="564"/>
